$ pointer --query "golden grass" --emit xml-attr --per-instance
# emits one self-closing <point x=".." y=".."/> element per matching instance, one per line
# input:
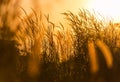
<point x="106" y="53"/>
<point x="60" y="49"/>
<point x="93" y="57"/>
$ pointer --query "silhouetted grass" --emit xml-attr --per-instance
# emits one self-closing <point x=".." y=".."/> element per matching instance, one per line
<point x="34" y="49"/>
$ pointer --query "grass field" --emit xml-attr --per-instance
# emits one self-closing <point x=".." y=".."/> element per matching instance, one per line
<point x="34" y="49"/>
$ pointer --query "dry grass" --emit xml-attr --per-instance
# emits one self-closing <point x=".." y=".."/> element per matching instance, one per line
<point x="93" y="57"/>
<point x="50" y="53"/>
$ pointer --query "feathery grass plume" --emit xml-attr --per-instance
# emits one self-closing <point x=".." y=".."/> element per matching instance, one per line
<point x="93" y="57"/>
<point x="64" y="40"/>
<point x="111" y="34"/>
<point x="52" y="52"/>
<point x="106" y="52"/>
<point x="31" y="37"/>
<point x="84" y="26"/>
<point x="60" y="37"/>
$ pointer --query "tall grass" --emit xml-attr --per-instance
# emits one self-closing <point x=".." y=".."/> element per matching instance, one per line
<point x="86" y="50"/>
<point x="54" y="50"/>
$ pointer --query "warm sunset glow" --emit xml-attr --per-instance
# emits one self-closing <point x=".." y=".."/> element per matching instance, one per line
<point x="59" y="41"/>
<point x="55" y="7"/>
<point x="108" y="8"/>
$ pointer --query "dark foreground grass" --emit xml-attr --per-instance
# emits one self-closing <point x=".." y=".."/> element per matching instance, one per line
<point x="37" y="50"/>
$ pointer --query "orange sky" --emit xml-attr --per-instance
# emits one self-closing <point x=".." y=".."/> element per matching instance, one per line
<point x="55" y="7"/>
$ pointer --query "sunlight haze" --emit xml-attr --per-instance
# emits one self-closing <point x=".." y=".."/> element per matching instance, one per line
<point x="107" y="8"/>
